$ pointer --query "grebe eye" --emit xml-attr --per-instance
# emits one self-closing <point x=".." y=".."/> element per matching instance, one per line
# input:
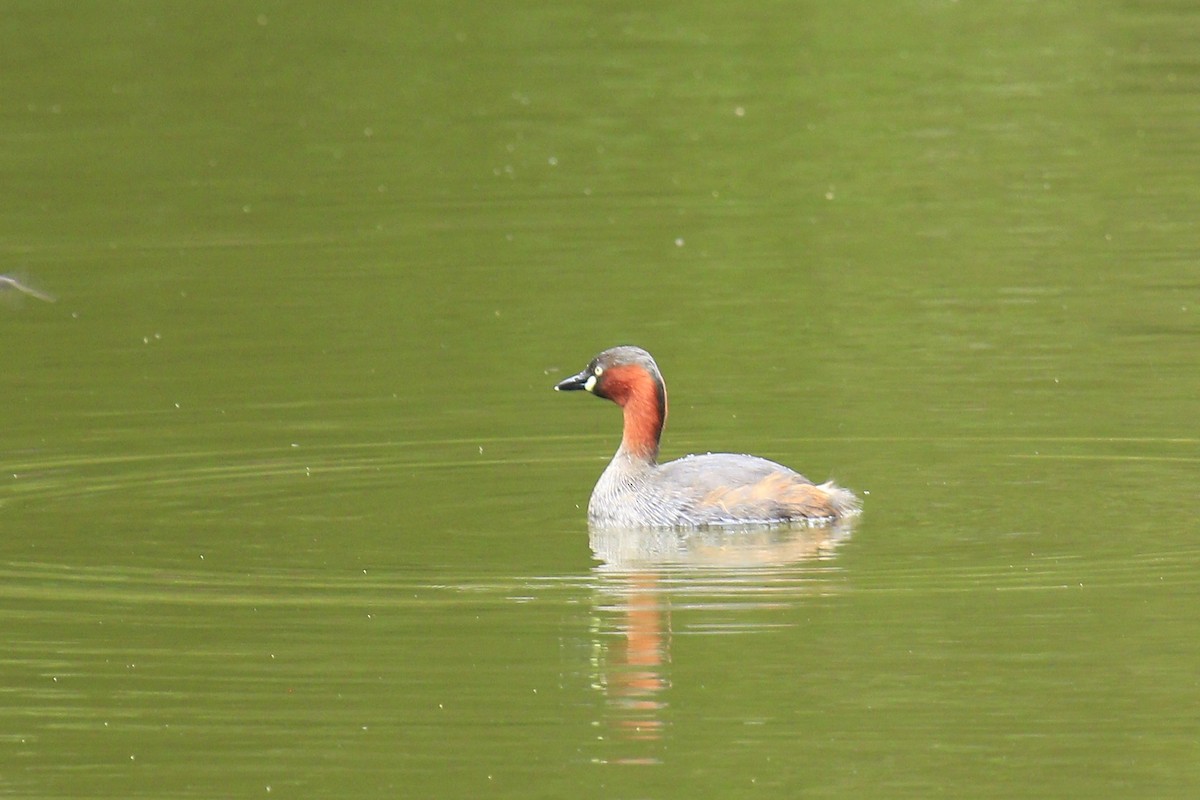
<point x="598" y="371"/>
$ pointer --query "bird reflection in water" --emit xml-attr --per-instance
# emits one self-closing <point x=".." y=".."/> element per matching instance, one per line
<point x="632" y="663"/>
<point x="714" y="573"/>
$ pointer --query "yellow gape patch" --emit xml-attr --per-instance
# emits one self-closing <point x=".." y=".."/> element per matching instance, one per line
<point x="591" y="381"/>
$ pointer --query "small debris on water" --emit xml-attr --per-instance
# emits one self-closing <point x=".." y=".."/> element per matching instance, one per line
<point x="9" y="282"/>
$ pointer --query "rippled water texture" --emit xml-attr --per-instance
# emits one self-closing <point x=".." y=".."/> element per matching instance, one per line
<point x="288" y="506"/>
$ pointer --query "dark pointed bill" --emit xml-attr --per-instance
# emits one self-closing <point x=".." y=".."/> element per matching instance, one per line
<point x="575" y="383"/>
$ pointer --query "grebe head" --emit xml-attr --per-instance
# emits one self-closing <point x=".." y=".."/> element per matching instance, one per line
<point x="617" y="374"/>
<point x="629" y="377"/>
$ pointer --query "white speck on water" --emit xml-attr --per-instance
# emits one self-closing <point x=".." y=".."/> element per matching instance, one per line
<point x="740" y="111"/>
<point x="552" y="161"/>
<point x="679" y="242"/>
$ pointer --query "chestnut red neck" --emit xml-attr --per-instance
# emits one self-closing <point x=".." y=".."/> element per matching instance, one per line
<point x="643" y="399"/>
<point x="629" y="377"/>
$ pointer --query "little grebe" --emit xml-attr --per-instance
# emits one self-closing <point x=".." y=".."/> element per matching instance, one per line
<point x="635" y="491"/>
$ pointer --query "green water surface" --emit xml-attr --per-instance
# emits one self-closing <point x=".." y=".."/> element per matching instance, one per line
<point x="288" y="509"/>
